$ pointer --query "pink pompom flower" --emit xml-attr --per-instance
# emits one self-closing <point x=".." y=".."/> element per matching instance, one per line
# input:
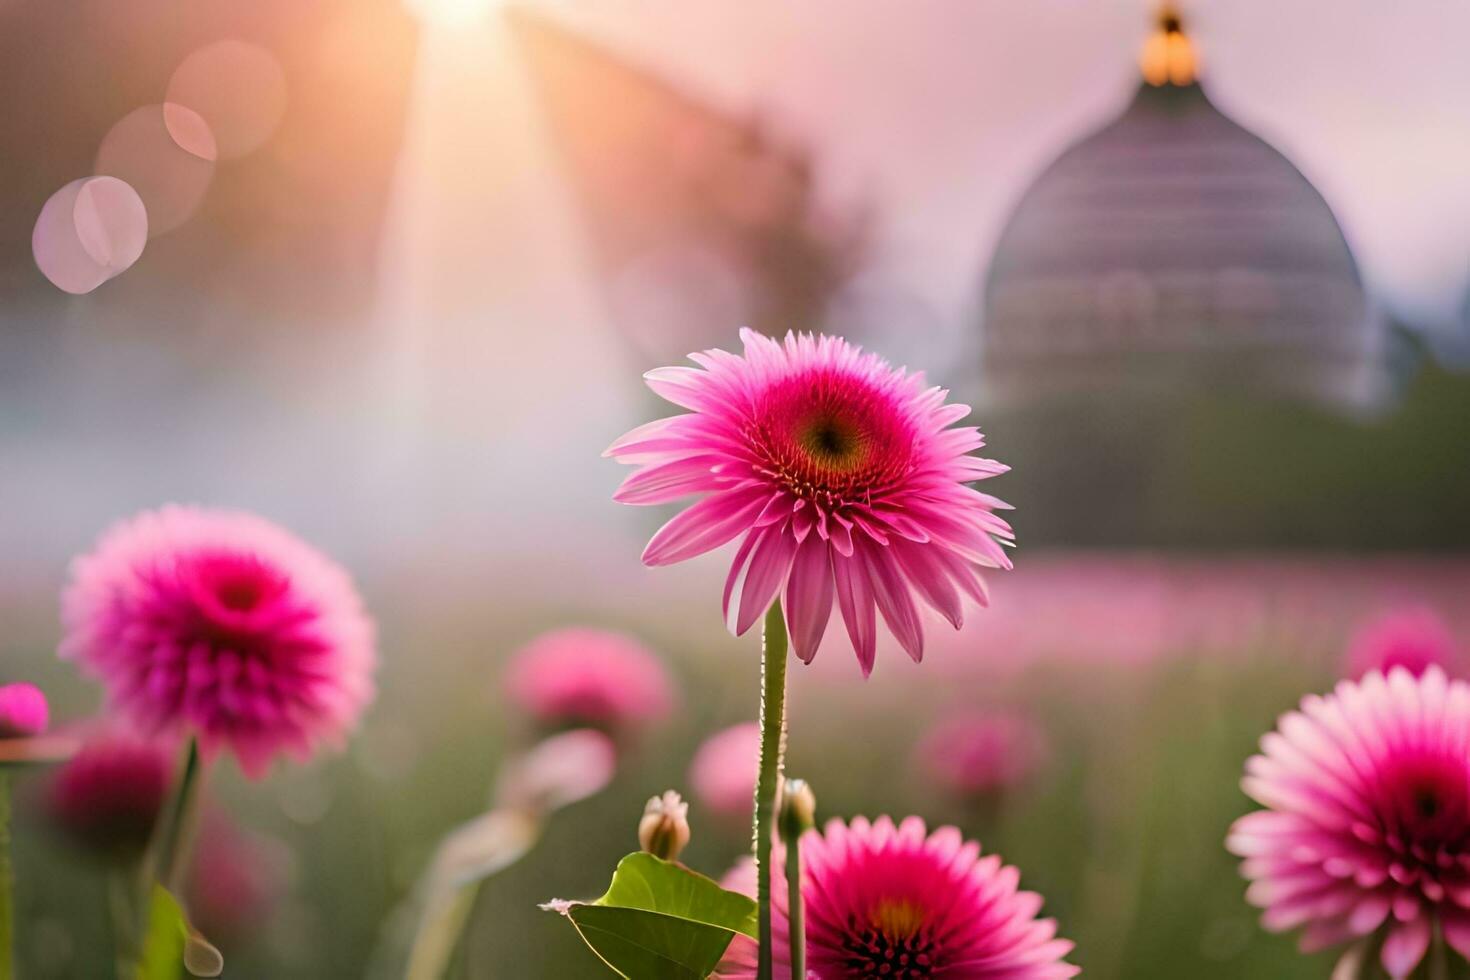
<point x="23" y="711"/>
<point x="723" y="772"/>
<point x="220" y="624"/>
<point x="579" y="677"/>
<point x="106" y="798"/>
<point x="977" y="755"/>
<point x="1367" y="826"/>
<point x="1412" y="637"/>
<point x="842" y="478"/>
<point x="894" y="901"/>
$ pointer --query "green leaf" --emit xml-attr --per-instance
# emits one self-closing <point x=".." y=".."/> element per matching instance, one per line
<point x="163" y="945"/>
<point x="649" y="946"/>
<point x="643" y="881"/>
<point x="661" y="921"/>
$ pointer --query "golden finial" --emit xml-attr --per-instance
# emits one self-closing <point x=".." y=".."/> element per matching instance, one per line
<point x="1168" y="56"/>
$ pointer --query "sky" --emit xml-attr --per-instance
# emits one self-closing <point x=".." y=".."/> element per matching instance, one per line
<point x="931" y="102"/>
<point x="941" y="116"/>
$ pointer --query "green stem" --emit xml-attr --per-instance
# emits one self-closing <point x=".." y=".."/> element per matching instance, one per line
<point x="1439" y="962"/>
<point x="773" y="746"/>
<point x="795" y="910"/>
<point x="7" y="883"/>
<point x="178" y="832"/>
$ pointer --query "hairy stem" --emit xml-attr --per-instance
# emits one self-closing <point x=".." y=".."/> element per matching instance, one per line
<point x="773" y="747"/>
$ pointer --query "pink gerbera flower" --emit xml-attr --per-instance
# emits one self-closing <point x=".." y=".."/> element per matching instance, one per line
<point x="578" y="677"/>
<point x="978" y="755"/>
<point x="840" y="475"/>
<point x="891" y="901"/>
<point x="723" y="772"/>
<point x="1413" y="637"/>
<point x="222" y="625"/>
<point x="1368" y="827"/>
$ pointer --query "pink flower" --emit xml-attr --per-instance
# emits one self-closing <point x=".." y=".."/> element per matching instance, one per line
<point x="879" y="895"/>
<point x="107" y="797"/>
<point x="236" y="879"/>
<point x="840" y="475"/>
<point x="1413" y="637"/>
<point x="982" y="754"/>
<point x="723" y="772"/>
<point x="586" y="677"/>
<point x="23" y="711"/>
<point x="222" y="625"/>
<point x="1368" y="822"/>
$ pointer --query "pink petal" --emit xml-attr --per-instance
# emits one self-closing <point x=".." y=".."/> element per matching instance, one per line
<point x="703" y="527"/>
<point x="686" y="387"/>
<point x="1405" y="947"/>
<point x="808" y="599"/>
<point x="769" y="563"/>
<point x="928" y="576"/>
<point x="670" y="481"/>
<point x="855" y="598"/>
<point x="1456" y="926"/>
<point x="894" y="601"/>
<point x="737" y="568"/>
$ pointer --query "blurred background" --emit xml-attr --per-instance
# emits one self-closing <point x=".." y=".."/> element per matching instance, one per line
<point x="388" y="271"/>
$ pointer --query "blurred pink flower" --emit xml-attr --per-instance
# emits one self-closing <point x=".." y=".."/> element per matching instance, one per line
<point x="974" y="755"/>
<point x="840" y="475"/>
<point x="891" y="901"/>
<point x="577" y="677"/>
<point x="222" y="625"/>
<point x="236" y="879"/>
<point x="1412" y="637"/>
<point x="723" y="773"/>
<point x="23" y="711"/>
<point x="107" y="797"/>
<point x="1368" y="822"/>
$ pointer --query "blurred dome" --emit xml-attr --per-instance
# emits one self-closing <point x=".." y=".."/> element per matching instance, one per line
<point x="1173" y="247"/>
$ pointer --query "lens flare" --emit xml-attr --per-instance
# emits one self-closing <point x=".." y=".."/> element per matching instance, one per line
<point x="237" y="89"/>
<point x="88" y="232"/>
<point x="165" y="153"/>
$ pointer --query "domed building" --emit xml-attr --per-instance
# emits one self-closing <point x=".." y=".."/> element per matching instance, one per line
<point x="1174" y="249"/>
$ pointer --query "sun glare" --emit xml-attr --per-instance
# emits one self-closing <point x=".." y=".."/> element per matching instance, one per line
<point x="451" y="13"/>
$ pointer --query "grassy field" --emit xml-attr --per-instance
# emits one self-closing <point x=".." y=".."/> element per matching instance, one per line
<point x="1122" y="832"/>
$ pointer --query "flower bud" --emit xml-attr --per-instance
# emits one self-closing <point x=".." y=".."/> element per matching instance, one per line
<point x="798" y="809"/>
<point x="664" y="829"/>
<point x="23" y="711"/>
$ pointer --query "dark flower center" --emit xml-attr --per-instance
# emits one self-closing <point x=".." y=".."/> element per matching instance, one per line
<point x="1427" y="805"/>
<point x="894" y="944"/>
<point x="236" y="595"/>
<point x="831" y="438"/>
<point x="239" y="594"/>
<point x="1426" y="801"/>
